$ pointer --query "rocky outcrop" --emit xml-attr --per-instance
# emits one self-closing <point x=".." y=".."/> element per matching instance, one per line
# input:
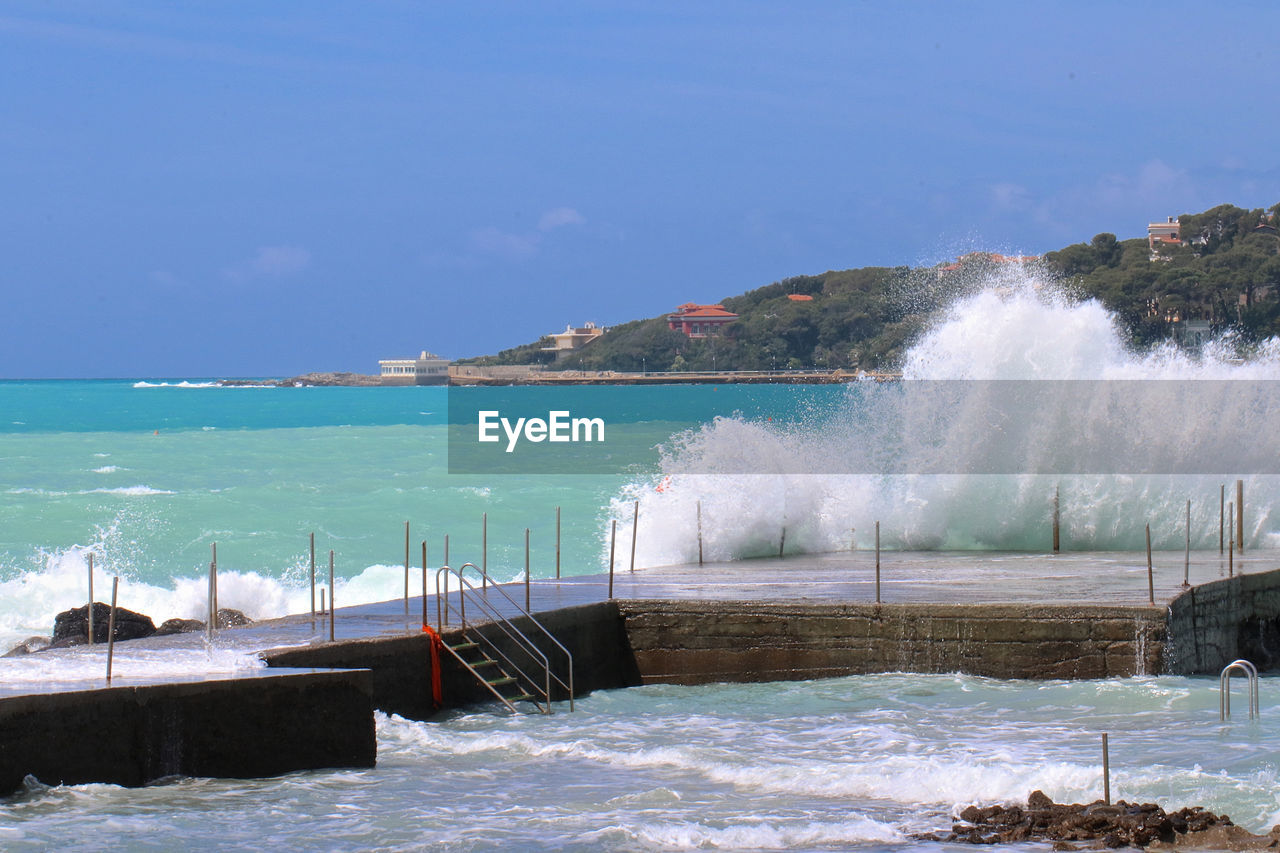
<point x="71" y="627"/>
<point x="306" y="380"/>
<point x="1098" y="825"/>
<point x="179" y="626"/>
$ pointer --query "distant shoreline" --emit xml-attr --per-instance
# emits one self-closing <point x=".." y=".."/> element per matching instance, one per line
<point x="579" y="377"/>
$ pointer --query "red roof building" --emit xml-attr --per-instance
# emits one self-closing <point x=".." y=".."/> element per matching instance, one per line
<point x="700" y="321"/>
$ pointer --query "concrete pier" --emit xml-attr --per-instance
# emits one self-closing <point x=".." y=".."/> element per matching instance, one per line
<point x="812" y="616"/>
<point x="243" y="727"/>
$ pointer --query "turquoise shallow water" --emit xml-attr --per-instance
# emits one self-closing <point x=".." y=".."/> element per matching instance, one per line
<point x="850" y="763"/>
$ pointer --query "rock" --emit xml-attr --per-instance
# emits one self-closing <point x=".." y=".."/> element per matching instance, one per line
<point x="71" y="627"/>
<point x="1100" y="825"/>
<point x="27" y="646"/>
<point x="228" y="618"/>
<point x="179" y="626"/>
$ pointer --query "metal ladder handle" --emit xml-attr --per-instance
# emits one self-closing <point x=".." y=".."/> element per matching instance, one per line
<point x="513" y="633"/>
<point x="1250" y="673"/>
<point x="568" y="687"/>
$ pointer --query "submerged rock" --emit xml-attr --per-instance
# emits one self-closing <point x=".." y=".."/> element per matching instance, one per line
<point x="71" y="627"/>
<point x="27" y="646"/>
<point x="1098" y="825"/>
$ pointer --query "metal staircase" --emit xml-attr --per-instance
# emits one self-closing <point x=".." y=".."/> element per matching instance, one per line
<point x="514" y="671"/>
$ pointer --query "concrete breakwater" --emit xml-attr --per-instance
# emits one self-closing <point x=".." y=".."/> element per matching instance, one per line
<point x="268" y="724"/>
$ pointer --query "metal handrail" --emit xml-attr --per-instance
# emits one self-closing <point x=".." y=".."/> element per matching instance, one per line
<point x="517" y="636"/>
<point x="1224" y="685"/>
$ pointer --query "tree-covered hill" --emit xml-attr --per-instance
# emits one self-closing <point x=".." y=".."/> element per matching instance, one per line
<point x="1226" y="272"/>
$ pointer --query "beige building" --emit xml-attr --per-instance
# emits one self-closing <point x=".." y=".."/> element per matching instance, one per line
<point x="571" y="339"/>
<point x="427" y="369"/>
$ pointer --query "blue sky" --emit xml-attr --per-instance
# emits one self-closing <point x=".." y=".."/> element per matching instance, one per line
<point x="249" y="188"/>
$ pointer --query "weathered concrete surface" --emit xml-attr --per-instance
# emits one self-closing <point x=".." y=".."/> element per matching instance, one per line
<point x="699" y="642"/>
<point x="1215" y="623"/>
<point x="401" y="666"/>
<point x="238" y="727"/>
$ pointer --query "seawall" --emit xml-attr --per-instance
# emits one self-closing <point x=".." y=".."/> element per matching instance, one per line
<point x="236" y="727"/>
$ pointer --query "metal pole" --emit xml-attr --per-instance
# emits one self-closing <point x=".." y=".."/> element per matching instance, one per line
<point x="557" y="543"/>
<point x="313" y="579"/>
<point x="208" y="627"/>
<point x="322" y="608"/>
<point x="1057" y="539"/>
<point x="1151" y="579"/>
<point x="484" y="551"/>
<point x="1106" y="771"/>
<point x="111" y="626"/>
<point x="526" y="571"/>
<point x="635" y="527"/>
<point x="1240" y="516"/>
<point x="699" y="533"/>
<point x="877" y="562"/>
<point x="1186" y="560"/>
<point x="613" y="540"/>
<point x="782" y="542"/>
<point x="1231" y="539"/>
<point x="1222" y="505"/>
<point x="424" y="583"/>
<point x="91" y="598"/>
<point x="406" y="571"/>
<point x="215" y="584"/>
<point x="333" y="598"/>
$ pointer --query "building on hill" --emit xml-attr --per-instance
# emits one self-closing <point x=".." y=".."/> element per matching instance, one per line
<point x="1164" y="234"/>
<point x="427" y="369"/>
<point x="800" y="297"/>
<point x="573" y="339"/>
<point x="700" y="321"/>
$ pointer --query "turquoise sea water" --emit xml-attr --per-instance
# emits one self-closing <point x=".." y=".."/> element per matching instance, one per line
<point x="146" y="475"/>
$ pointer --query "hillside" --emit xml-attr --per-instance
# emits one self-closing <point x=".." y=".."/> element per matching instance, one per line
<point x="1223" y="274"/>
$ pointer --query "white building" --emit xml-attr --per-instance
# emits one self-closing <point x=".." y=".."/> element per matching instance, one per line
<point x="427" y="369"/>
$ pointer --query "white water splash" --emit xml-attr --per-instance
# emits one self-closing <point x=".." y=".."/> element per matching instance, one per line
<point x="1018" y="327"/>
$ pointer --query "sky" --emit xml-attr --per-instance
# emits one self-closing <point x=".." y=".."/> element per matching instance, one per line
<point x="218" y="189"/>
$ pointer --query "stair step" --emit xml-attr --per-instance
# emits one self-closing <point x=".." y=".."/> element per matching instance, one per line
<point x="500" y="682"/>
<point x="483" y="662"/>
<point x="464" y="647"/>
<point x="523" y="697"/>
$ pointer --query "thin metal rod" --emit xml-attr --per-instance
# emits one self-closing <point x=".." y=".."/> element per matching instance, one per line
<point x="111" y="626"/>
<point x="699" y="533"/>
<point x="1239" y="515"/>
<point x="557" y="543"/>
<point x="782" y="542"/>
<point x="208" y="627"/>
<point x="424" y="583"/>
<point x="406" y="571"/>
<point x="1057" y="520"/>
<point x="484" y="551"/>
<point x="312" y="548"/>
<point x="613" y="540"/>
<point x="1222" y="509"/>
<point x="1106" y="771"/>
<point x="1151" y="578"/>
<point x="877" y="562"/>
<point x="215" y="584"/>
<point x="635" y="527"/>
<point x="1186" y="559"/>
<point x="333" y="598"/>
<point x="526" y="570"/>
<point x="323" y="611"/>
<point x="1231" y="539"/>
<point x="91" y="598"/>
